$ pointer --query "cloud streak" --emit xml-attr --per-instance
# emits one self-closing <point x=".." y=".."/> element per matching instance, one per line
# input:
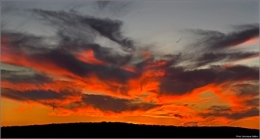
<point x="108" y="28"/>
<point x="215" y="40"/>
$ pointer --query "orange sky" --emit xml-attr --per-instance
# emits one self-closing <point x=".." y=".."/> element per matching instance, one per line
<point x="16" y="113"/>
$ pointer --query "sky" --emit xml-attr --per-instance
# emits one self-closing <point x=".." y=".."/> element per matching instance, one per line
<point x="149" y="62"/>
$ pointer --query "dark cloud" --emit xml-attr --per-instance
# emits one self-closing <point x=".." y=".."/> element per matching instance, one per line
<point x="179" y="81"/>
<point x="103" y="103"/>
<point x="24" y="42"/>
<point x="24" y="77"/>
<point x="36" y="95"/>
<point x="70" y="63"/>
<point x="245" y="26"/>
<point x="254" y="102"/>
<point x="212" y="40"/>
<point x="209" y="58"/>
<point x="239" y="72"/>
<point x="74" y="40"/>
<point x="122" y="88"/>
<point x="178" y="116"/>
<point x="219" y="108"/>
<point x="114" y="73"/>
<point x="225" y="111"/>
<point x="67" y="61"/>
<point x="106" y="103"/>
<point x="108" y="28"/>
<point x="152" y="64"/>
<point x="74" y="33"/>
<point x="247" y="89"/>
<point x="175" y="87"/>
<point x="31" y="44"/>
<point x="105" y="54"/>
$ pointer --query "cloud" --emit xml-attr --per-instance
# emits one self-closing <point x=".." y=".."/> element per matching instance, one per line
<point x="215" y="40"/>
<point x="108" y="28"/>
<point x="31" y="44"/>
<point x="40" y="96"/>
<point x="178" y="115"/>
<point x="72" y="100"/>
<point x="23" y="77"/>
<point x="56" y="61"/>
<point x="247" y="89"/>
<point x="74" y="33"/>
<point x="219" y="108"/>
<point x="25" y="42"/>
<point x="224" y="111"/>
<point x="116" y="59"/>
<point x="179" y="81"/>
<point x="210" y="58"/>
<point x="106" y="104"/>
<point x="252" y="102"/>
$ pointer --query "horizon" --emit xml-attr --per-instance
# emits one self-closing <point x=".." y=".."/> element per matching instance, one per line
<point x="157" y="63"/>
<point x="108" y="122"/>
<point x="125" y="130"/>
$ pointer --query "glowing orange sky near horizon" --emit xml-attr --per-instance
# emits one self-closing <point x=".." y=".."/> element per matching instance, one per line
<point x="16" y="113"/>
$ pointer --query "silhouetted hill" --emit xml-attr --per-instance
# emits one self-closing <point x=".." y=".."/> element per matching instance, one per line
<point x="124" y="130"/>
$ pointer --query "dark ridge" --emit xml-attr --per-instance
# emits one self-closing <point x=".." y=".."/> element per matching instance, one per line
<point x="123" y="130"/>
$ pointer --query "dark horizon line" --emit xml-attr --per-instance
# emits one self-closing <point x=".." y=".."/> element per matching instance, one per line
<point x="123" y="130"/>
<point x="129" y="123"/>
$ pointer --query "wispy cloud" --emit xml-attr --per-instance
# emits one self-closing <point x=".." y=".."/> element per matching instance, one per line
<point x="215" y="40"/>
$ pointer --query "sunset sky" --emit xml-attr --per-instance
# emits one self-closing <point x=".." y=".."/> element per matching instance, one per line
<point x="149" y="62"/>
